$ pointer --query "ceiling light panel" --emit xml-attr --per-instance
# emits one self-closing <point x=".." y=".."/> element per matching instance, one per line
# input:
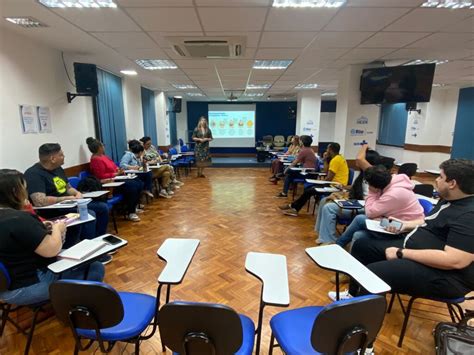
<point x="448" y="4"/>
<point x="194" y="94"/>
<point x="426" y="61"/>
<point x="258" y="86"/>
<point x="128" y="72"/>
<point x="254" y="94"/>
<point x="78" y="3"/>
<point x="271" y="64"/>
<point x="306" y="86"/>
<point x="309" y="3"/>
<point x="156" y="64"/>
<point x="184" y="86"/>
<point x="27" y="22"/>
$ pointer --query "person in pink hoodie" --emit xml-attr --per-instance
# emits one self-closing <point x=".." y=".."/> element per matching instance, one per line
<point x="389" y="195"/>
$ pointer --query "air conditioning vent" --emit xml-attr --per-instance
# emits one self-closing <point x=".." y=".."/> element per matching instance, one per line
<point x="208" y="47"/>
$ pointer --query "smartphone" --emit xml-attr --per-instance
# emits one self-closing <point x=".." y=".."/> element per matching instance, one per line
<point x="385" y="222"/>
<point x="111" y="239"/>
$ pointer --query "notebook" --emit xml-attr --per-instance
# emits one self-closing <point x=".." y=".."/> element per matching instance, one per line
<point x="67" y="218"/>
<point x="349" y="204"/>
<point x="82" y="250"/>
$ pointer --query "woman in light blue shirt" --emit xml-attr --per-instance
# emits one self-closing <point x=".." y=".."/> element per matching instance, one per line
<point x="133" y="160"/>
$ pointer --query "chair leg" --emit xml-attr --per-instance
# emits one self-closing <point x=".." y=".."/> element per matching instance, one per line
<point x="32" y="330"/>
<point x="390" y="305"/>
<point x="137" y="347"/>
<point x="272" y="341"/>
<point x="5" y="309"/>
<point x="405" y="321"/>
<point x="112" y="212"/>
<point x="451" y="313"/>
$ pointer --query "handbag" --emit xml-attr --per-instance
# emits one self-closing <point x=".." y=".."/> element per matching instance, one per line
<point x="455" y="338"/>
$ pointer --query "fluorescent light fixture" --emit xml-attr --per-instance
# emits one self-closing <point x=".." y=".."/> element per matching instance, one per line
<point x="78" y="3"/>
<point x="254" y="94"/>
<point x="435" y="85"/>
<point x="177" y="97"/>
<point x="184" y="86"/>
<point x="309" y="3"/>
<point x="27" y="22"/>
<point x="156" y="64"/>
<point x="306" y="86"/>
<point x="271" y="64"/>
<point x="448" y="4"/>
<point x="328" y="94"/>
<point x="129" y="72"/>
<point x="258" y="86"/>
<point x="426" y="61"/>
<point x="194" y="94"/>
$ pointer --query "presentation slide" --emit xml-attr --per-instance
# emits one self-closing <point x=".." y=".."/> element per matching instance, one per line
<point x="232" y="125"/>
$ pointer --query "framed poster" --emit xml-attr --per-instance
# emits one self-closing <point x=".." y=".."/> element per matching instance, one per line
<point x="29" y="121"/>
<point x="44" y="119"/>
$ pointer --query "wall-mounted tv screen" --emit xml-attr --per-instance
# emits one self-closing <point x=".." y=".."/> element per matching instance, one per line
<point x="408" y="83"/>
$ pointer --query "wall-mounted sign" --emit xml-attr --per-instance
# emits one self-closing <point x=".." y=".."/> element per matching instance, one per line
<point x="44" y="119"/>
<point x="362" y="120"/>
<point x="28" y="116"/>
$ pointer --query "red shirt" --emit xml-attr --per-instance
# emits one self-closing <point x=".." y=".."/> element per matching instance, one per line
<point x="307" y="157"/>
<point x="102" y="167"/>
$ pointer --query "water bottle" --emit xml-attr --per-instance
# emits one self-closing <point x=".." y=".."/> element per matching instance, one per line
<point x="82" y="210"/>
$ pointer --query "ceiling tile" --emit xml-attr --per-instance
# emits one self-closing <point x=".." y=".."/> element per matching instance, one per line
<point x="444" y="40"/>
<point x="361" y="19"/>
<point x="427" y="20"/>
<point x="280" y="53"/>
<point x="367" y="53"/>
<point x="143" y="53"/>
<point x="232" y="19"/>
<point x="392" y="39"/>
<point x="99" y="21"/>
<point x="234" y="63"/>
<point x="166" y="19"/>
<point x="195" y="64"/>
<point x="289" y="19"/>
<point x="384" y="3"/>
<point x="339" y="39"/>
<point x="466" y="25"/>
<point x="252" y="37"/>
<point x="125" y="39"/>
<point x="286" y="39"/>
<point x="423" y="53"/>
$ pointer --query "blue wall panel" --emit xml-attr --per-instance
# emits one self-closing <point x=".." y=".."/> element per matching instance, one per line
<point x="464" y="128"/>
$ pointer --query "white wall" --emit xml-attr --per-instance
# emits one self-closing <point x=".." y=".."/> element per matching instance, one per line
<point x="308" y="114"/>
<point x="132" y="101"/>
<point x="182" y="122"/>
<point x="327" y="126"/>
<point x="33" y="74"/>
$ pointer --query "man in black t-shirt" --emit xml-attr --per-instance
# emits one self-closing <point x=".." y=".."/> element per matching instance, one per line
<point x="436" y="258"/>
<point x="48" y="184"/>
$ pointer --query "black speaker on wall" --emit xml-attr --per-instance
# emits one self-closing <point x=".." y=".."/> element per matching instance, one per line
<point x="176" y="104"/>
<point x="410" y="106"/>
<point x="292" y="113"/>
<point x="86" y="78"/>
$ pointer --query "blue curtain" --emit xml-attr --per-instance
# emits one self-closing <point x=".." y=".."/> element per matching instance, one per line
<point x="111" y="114"/>
<point x="149" y="114"/>
<point x="462" y="140"/>
<point x="172" y="121"/>
<point x="393" y="125"/>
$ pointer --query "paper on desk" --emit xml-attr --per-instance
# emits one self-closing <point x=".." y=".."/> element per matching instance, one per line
<point x="374" y="226"/>
<point x="321" y="182"/>
<point x="326" y="189"/>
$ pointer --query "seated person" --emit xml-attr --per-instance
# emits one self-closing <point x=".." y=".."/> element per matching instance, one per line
<point x="389" y="195"/>
<point x="48" y="184"/>
<point x="328" y="211"/>
<point x="436" y="258"/>
<point x="277" y="164"/>
<point x="337" y="171"/>
<point x="133" y="160"/>
<point x="104" y="169"/>
<point x="164" y="172"/>
<point x="28" y="246"/>
<point x="306" y="157"/>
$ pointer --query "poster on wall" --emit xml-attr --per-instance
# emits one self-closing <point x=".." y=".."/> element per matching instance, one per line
<point x="44" y="119"/>
<point x="28" y="116"/>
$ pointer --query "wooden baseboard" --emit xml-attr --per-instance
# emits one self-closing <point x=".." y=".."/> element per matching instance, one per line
<point x="428" y="148"/>
<point x="75" y="170"/>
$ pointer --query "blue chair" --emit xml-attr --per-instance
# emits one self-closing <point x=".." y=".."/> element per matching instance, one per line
<point x="424" y="189"/>
<point x="181" y="142"/>
<point x="178" y="163"/>
<point x="351" y="176"/>
<point x="204" y="328"/>
<point x="83" y="174"/>
<point x="74" y="181"/>
<point x="340" y="327"/>
<point x="7" y="308"/>
<point x="427" y="206"/>
<point x="94" y="311"/>
<point x="111" y="203"/>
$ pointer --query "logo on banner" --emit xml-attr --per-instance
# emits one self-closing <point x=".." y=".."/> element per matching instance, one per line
<point x="310" y="123"/>
<point x="357" y="132"/>
<point x="359" y="143"/>
<point x="362" y="120"/>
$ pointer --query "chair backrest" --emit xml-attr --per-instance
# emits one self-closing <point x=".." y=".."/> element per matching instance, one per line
<point x="288" y="140"/>
<point x="83" y="174"/>
<point x="267" y="139"/>
<point x="181" y="142"/>
<point x="173" y="151"/>
<point x="347" y="325"/>
<point x="4" y="278"/>
<point x="409" y="169"/>
<point x="186" y="326"/>
<point x="279" y="141"/>
<point x="424" y="189"/>
<point x="387" y="162"/>
<point x="74" y="181"/>
<point x="74" y="299"/>
<point x="351" y="176"/>
<point x="427" y="206"/>
<point x="184" y="148"/>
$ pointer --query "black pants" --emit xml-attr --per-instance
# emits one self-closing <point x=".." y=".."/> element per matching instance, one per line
<point x="301" y="201"/>
<point x="402" y="275"/>
<point x="131" y="192"/>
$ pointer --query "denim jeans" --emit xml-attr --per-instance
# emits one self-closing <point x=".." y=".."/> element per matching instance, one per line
<point x="326" y="220"/>
<point x="357" y="229"/>
<point x="101" y="217"/>
<point x="39" y="292"/>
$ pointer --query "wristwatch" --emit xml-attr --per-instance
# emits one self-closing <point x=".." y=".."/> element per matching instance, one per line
<point x="400" y="253"/>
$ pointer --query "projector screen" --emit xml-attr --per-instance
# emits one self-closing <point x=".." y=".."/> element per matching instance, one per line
<point x="232" y="125"/>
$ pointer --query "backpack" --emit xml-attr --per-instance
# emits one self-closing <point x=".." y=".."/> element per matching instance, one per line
<point x="455" y="338"/>
<point x="90" y="184"/>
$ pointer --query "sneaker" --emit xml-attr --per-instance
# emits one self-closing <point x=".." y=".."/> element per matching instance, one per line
<point x="164" y="194"/>
<point x="291" y="212"/>
<point x="273" y="179"/>
<point x="133" y="217"/>
<point x="319" y="241"/>
<point x="141" y="206"/>
<point x="343" y="279"/>
<point x="281" y="195"/>
<point x="343" y="295"/>
<point x="284" y="207"/>
<point x="368" y="351"/>
<point x="174" y="186"/>
<point x="148" y="193"/>
<point x="178" y="183"/>
<point x="139" y="210"/>
<point x="105" y="259"/>
<point x="169" y="192"/>
<point x="112" y="252"/>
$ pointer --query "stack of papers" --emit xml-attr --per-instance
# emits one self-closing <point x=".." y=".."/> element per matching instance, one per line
<point x="125" y="177"/>
<point x="82" y="250"/>
<point x="326" y="189"/>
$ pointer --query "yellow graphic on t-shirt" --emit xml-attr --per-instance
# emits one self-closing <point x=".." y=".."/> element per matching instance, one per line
<point x="60" y="184"/>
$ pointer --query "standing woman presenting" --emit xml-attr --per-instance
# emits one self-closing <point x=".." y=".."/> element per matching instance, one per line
<point x="202" y="135"/>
